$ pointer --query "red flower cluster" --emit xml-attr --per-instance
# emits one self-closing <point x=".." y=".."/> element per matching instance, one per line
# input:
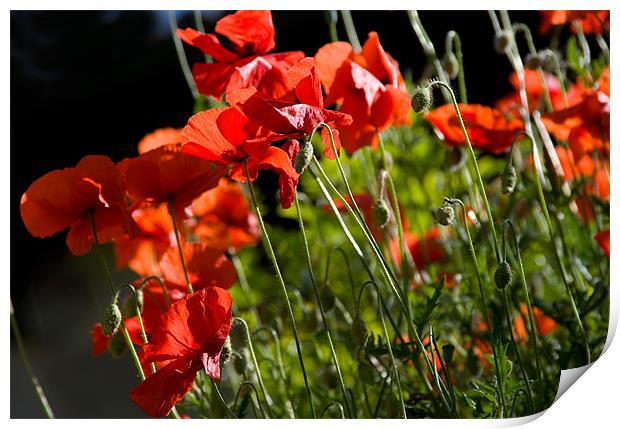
<point x="592" y="21"/>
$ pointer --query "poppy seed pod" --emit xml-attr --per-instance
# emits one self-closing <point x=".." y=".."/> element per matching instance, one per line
<point x="503" y="275"/>
<point x="422" y="99"/>
<point x="359" y="331"/>
<point x="127" y="301"/>
<point x="444" y="215"/>
<point x="381" y="212"/>
<point x="448" y="353"/>
<point x="509" y="179"/>
<point x="117" y="345"/>
<point x="451" y="65"/>
<point x="111" y="319"/>
<point x="328" y="300"/>
<point x="226" y="352"/>
<point x="533" y="61"/>
<point x="501" y="41"/>
<point x="304" y="157"/>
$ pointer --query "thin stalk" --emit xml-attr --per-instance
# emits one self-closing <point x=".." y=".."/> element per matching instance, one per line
<point x="248" y="383"/>
<point x="178" y="240"/>
<point x="274" y="261"/>
<point x="33" y="378"/>
<point x="201" y="27"/>
<point x="243" y="280"/>
<point x="530" y="316"/>
<point x="140" y="323"/>
<point x="350" y="29"/>
<point x="335" y="403"/>
<point x="321" y="310"/>
<point x="259" y="377"/>
<point x="453" y="38"/>
<point x="472" y="155"/>
<point x="218" y="395"/>
<point x="389" y="343"/>
<point x="161" y="285"/>
<point x="436" y="372"/>
<point x="558" y="72"/>
<point x="331" y="16"/>
<point x="178" y="45"/>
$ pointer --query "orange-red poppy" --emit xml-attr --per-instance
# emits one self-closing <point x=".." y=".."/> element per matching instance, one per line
<point x="488" y="129"/>
<point x="64" y="198"/>
<point x="225" y="218"/>
<point x="543" y="324"/>
<point x="368" y="85"/>
<point x="165" y="174"/>
<point x="158" y="138"/>
<point x="206" y="267"/>
<point x="602" y="238"/>
<point x="592" y="21"/>
<point x="424" y="250"/>
<point x="189" y="338"/>
<point x="239" y="48"/>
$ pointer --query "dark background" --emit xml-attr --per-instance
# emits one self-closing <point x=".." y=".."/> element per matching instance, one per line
<point x="95" y="83"/>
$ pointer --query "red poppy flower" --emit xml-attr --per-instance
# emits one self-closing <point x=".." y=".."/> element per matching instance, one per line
<point x="424" y="250"/>
<point x="225" y="136"/>
<point x="142" y="253"/>
<point x="298" y="112"/>
<point x="225" y="219"/>
<point x="369" y="87"/>
<point x="190" y="338"/>
<point x="206" y="267"/>
<point x="366" y="204"/>
<point x="592" y="21"/>
<point x="543" y="324"/>
<point x="487" y="128"/>
<point x="158" y="138"/>
<point x="63" y="199"/>
<point x="166" y="174"/>
<point x="240" y="60"/>
<point x="602" y="239"/>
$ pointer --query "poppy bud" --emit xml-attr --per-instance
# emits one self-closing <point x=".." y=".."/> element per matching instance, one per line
<point x="367" y="373"/>
<point x="533" y="61"/>
<point x="509" y="179"/>
<point x="304" y="157"/>
<point x="226" y="351"/>
<point x="501" y="41"/>
<point x="111" y="319"/>
<point x="328" y="300"/>
<point x="127" y="301"/>
<point x="422" y="99"/>
<point x="448" y="353"/>
<point x="451" y="65"/>
<point x="503" y="275"/>
<point x="240" y="363"/>
<point x="381" y="212"/>
<point x="359" y="331"/>
<point x="117" y="345"/>
<point x="444" y="215"/>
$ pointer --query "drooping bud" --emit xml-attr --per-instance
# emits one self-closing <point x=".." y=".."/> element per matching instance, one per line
<point x="509" y="179"/>
<point x="359" y="331"/>
<point x="226" y="352"/>
<point x="304" y="157"/>
<point x="381" y="212"/>
<point x="422" y="99"/>
<point x="448" y="353"/>
<point x="367" y="373"/>
<point x="501" y="41"/>
<point x="503" y="275"/>
<point x="127" y="301"/>
<point x="111" y="319"/>
<point x="117" y="345"/>
<point x="328" y="300"/>
<point x="444" y="215"/>
<point x="451" y="65"/>
<point x="533" y="61"/>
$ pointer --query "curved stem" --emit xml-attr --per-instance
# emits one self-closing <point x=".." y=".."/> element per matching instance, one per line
<point x="33" y="379"/>
<point x="335" y="403"/>
<point x="179" y="248"/>
<point x="453" y="38"/>
<point x="248" y="383"/>
<point x="472" y="154"/>
<point x="321" y="310"/>
<point x="387" y="339"/>
<point x="161" y="285"/>
<point x="274" y="261"/>
<point x="218" y="394"/>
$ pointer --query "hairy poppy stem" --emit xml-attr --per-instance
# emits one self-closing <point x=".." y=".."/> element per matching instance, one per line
<point x="33" y="378"/>
<point x="387" y="339"/>
<point x="321" y="309"/>
<point x="274" y="261"/>
<point x="177" y="238"/>
<point x="178" y="45"/>
<point x="485" y="308"/>
<point x="472" y="154"/>
<point x="530" y="316"/>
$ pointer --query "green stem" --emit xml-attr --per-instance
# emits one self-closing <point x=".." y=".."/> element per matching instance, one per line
<point x="201" y="27"/>
<point x="161" y="285"/>
<point x="178" y="240"/>
<point x="248" y="383"/>
<point x="335" y="403"/>
<point x="274" y="261"/>
<point x="350" y="29"/>
<point x="321" y="310"/>
<point x="178" y="45"/>
<point x="218" y="394"/>
<point x="453" y="37"/>
<point x="33" y="379"/>
<point x="243" y="280"/>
